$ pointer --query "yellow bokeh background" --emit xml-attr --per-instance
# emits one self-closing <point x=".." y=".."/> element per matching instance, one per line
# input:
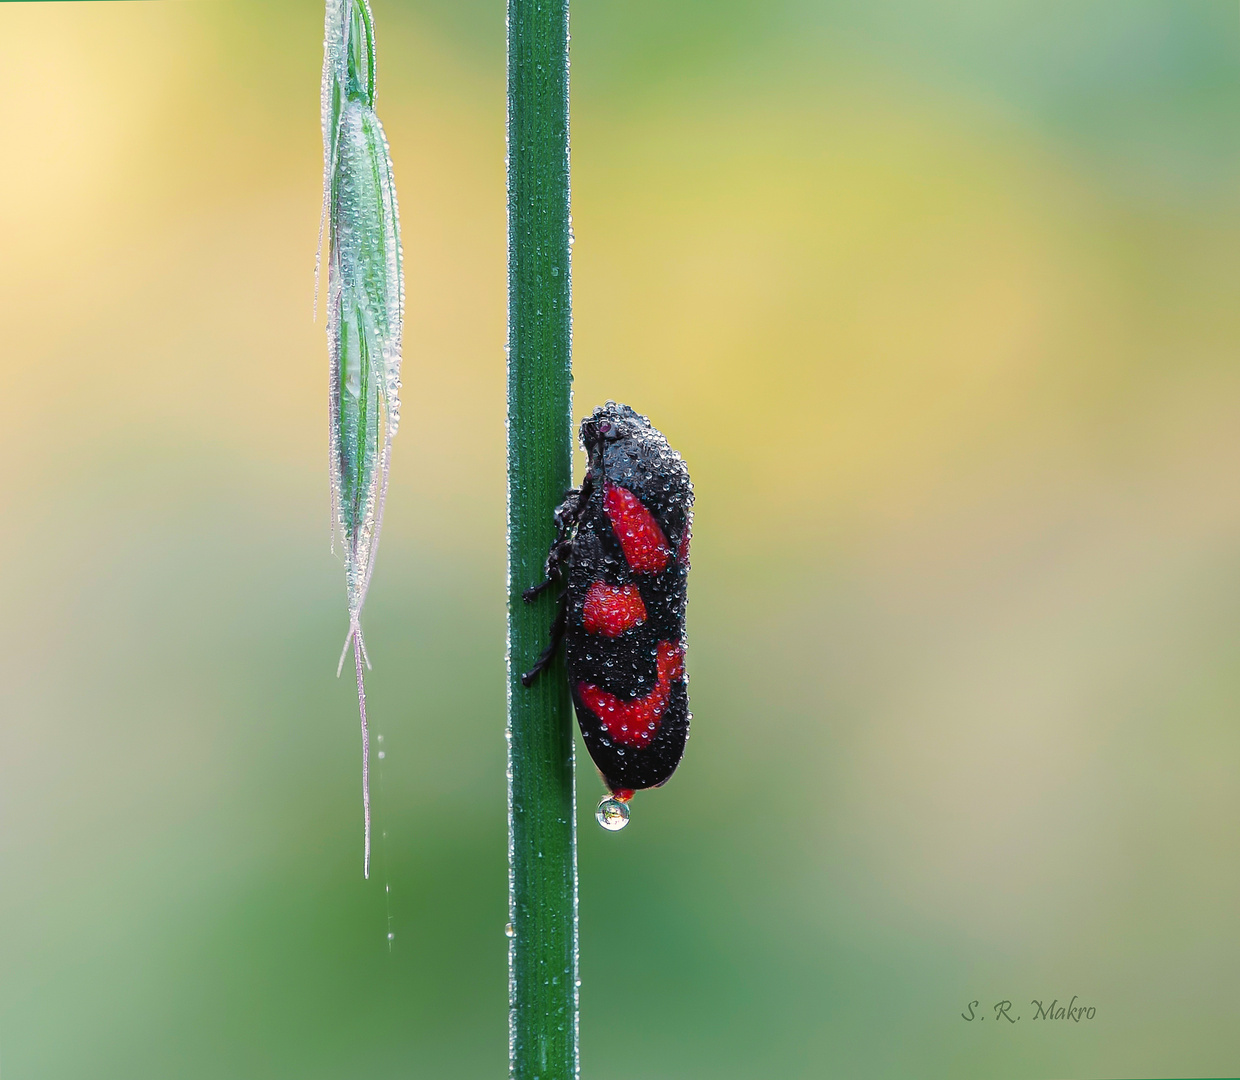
<point x="938" y="302"/>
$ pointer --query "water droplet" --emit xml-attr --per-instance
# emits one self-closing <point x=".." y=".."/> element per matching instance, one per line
<point x="612" y="814"/>
<point x="391" y="936"/>
<point x="382" y="754"/>
<point x="509" y="931"/>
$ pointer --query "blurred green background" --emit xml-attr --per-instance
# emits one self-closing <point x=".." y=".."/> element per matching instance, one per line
<point x="939" y="302"/>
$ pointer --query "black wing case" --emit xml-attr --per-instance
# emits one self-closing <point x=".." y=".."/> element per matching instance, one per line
<point x="629" y="686"/>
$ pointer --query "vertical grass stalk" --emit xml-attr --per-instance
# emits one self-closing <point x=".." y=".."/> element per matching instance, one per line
<point x="541" y="804"/>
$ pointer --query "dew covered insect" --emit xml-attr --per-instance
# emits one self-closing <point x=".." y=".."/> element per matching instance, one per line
<point x="621" y="554"/>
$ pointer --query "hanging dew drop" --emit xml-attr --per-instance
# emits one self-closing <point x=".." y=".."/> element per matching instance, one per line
<point x="509" y="932"/>
<point x="612" y="814"/>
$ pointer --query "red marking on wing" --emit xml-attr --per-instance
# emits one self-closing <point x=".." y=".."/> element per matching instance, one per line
<point x="682" y="550"/>
<point x="636" y="722"/>
<point x="622" y="794"/>
<point x="610" y="610"/>
<point x="645" y="546"/>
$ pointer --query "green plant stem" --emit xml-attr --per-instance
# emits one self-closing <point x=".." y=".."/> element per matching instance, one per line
<point x="541" y="817"/>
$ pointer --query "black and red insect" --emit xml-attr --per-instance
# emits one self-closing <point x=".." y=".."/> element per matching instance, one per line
<point x="621" y="554"/>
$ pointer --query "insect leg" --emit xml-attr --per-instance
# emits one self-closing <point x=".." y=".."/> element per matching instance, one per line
<point x="559" y="552"/>
<point x="557" y="635"/>
<point x="566" y="515"/>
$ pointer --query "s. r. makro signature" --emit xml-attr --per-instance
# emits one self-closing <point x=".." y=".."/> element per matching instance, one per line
<point x="1039" y="1010"/>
